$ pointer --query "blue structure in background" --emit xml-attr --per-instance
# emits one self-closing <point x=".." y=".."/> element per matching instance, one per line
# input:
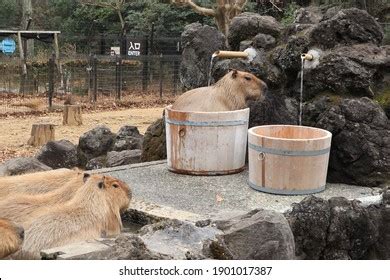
<point x="8" y="46"/>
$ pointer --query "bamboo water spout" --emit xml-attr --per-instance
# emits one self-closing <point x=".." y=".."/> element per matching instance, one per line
<point x="230" y="54"/>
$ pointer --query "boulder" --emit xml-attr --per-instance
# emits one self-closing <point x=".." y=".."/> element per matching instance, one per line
<point x="264" y="41"/>
<point x="351" y="70"/>
<point x="308" y="15"/>
<point x="22" y="165"/>
<point x="154" y="145"/>
<point x="95" y="143"/>
<point x="58" y="154"/>
<point x="336" y="229"/>
<point x="257" y="235"/>
<point x="128" y="138"/>
<point x="199" y="43"/>
<point x="275" y="108"/>
<point x="360" y="152"/>
<point x="179" y="239"/>
<point x="247" y="25"/>
<point x="123" y="158"/>
<point x="96" y="163"/>
<point x="347" y="27"/>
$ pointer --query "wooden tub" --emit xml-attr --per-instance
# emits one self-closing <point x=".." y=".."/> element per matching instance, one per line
<point x="287" y="159"/>
<point x="206" y="143"/>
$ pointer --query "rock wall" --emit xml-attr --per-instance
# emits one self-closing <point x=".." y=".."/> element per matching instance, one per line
<point x="353" y="69"/>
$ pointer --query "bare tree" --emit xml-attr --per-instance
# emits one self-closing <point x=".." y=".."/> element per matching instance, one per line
<point x="116" y="5"/>
<point x="223" y="12"/>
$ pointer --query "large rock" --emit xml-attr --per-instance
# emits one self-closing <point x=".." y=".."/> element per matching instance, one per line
<point x="347" y="27"/>
<point x="58" y="154"/>
<point x="154" y="145"/>
<point x="22" y="165"/>
<point x="123" y="158"/>
<point x="181" y="240"/>
<point x="338" y="229"/>
<point x="247" y="25"/>
<point x="199" y="43"/>
<point x="351" y="70"/>
<point x="128" y="138"/>
<point x="308" y="15"/>
<point x="360" y="152"/>
<point x="257" y="235"/>
<point x="96" y="163"/>
<point x="273" y="109"/>
<point x="95" y="143"/>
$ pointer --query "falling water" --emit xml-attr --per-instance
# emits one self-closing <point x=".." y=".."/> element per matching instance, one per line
<point x="210" y="69"/>
<point x="301" y="95"/>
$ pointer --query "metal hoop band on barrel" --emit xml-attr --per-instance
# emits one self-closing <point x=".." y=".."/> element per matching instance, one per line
<point x="210" y="124"/>
<point x="287" y="152"/>
<point x="285" y="192"/>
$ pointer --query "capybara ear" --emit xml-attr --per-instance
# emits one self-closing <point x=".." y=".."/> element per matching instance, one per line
<point x="101" y="185"/>
<point x="86" y="176"/>
<point x="234" y="73"/>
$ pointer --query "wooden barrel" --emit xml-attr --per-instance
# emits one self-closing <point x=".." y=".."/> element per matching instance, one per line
<point x="288" y="159"/>
<point x="206" y="143"/>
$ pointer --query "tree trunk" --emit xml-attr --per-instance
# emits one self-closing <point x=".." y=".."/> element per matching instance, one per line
<point x="41" y="134"/>
<point x="72" y="115"/>
<point x="27" y="14"/>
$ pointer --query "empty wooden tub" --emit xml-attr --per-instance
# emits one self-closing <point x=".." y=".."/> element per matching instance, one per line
<point x="206" y="143"/>
<point x="287" y="159"/>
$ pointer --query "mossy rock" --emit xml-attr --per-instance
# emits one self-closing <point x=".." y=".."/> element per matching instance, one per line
<point x="383" y="98"/>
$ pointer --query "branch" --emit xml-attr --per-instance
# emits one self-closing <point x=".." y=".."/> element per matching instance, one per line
<point x="273" y="4"/>
<point x="197" y="8"/>
<point x="241" y="3"/>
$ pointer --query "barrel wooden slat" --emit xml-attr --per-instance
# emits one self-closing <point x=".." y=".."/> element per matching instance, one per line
<point x="206" y="143"/>
<point x="288" y="159"/>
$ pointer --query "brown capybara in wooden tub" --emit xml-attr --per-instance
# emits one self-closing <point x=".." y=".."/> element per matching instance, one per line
<point x="230" y="93"/>
<point x="93" y="212"/>
<point x="23" y="208"/>
<point x="11" y="237"/>
<point x="35" y="183"/>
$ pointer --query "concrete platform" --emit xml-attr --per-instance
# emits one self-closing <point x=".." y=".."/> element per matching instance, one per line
<point x="160" y="192"/>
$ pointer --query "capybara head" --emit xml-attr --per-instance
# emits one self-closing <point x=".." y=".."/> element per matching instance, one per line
<point x="119" y="193"/>
<point x="11" y="237"/>
<point x="252" y="87"/>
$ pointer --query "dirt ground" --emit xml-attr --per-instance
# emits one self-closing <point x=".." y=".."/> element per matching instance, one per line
<point x="15" y="131"/>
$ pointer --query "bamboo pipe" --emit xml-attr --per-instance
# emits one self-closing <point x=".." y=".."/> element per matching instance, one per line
<point x="307" y="56"/>
<point x="230" y="54"/>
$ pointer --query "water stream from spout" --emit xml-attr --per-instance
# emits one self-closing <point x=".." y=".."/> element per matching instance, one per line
<point x="210" y="69"/>
<point x="301" y="93"/>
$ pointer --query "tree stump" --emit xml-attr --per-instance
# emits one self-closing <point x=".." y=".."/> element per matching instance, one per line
<point x="41" y="134"/>
<point x="72" y="115"/>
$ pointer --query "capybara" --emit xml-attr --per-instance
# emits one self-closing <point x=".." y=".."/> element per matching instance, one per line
<point x="22" y="208"/>
<point x="92" y="213"/>
<point x="230" y="93"/>
<point x="35" y="183"/>
<point x="11" y="237"/>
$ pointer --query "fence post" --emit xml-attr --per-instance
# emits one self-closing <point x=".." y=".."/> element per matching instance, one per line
<point x="161" y="75"/>
<point x="145" y="66"/>
<point x="118" y="77"/>
<point x="175" y="75"/>
<point x="90" y="79"/>
<point x="51" y="69"/>
<point x="94" y="70"/>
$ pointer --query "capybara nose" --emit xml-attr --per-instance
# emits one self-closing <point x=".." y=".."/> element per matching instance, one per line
<point x="20" y="232"/>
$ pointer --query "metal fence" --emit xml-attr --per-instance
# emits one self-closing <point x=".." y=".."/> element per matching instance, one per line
<point x="144" y="64"/>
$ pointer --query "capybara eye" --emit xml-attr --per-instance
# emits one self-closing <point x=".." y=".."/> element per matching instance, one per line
<point x="248" y="78"/>
<point x="100" y="185"/>
<point x="115" y="185"/>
